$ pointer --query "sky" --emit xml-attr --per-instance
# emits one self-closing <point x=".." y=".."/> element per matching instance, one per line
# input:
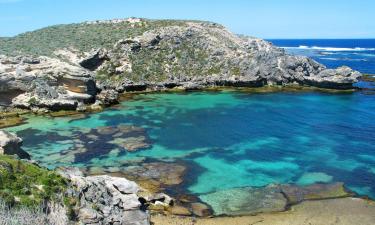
<point x="269" y="19"/>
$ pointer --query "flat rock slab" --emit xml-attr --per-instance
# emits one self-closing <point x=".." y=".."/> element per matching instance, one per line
<point x="343" y="211"/>
<point x="247" y="200"/>
<point x="296" y="194"/>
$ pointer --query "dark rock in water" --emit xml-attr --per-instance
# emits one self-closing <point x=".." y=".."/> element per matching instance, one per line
<point x="244" y="201"/>
<point x="10" y="144"/>
<point x="296" y="194"/>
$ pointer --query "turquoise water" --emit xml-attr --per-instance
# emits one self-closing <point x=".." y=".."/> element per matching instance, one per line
<point x="226" y="139"/>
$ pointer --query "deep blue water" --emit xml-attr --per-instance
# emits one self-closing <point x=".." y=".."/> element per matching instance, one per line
<point x="358" y="54"/>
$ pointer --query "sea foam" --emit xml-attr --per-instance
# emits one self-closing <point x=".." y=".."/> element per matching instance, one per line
<point x="334" y="49"/>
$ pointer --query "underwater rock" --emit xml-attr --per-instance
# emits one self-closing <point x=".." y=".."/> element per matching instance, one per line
<point x="200" y="209"/>
<point x="10" y="144"/>
<point x="314" y="177"/>
<point x="296" y="194"/>
<point x="132" y="144"/>
<point x="106" y="130"/>
<point x="245" y="201"/>
<point x="129" y="137"/>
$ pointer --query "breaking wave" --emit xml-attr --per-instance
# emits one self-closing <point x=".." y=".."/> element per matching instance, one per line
<point x="334" y="49"/>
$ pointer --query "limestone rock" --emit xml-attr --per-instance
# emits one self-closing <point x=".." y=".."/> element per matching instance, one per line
<point x="10" y="144"/>
<point x="296" y="194"/>
<point x="45" y="82"/>
<point x="106" y="200"/>
<point x="220" y="58"/>
<point x="94" y="59"/>
<point x="108" y="97"/>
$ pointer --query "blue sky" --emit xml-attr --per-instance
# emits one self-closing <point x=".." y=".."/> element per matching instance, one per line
<point x="261" y="18"/>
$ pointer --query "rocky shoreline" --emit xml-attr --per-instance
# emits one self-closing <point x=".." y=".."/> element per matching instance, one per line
<point x="182" y="55"/>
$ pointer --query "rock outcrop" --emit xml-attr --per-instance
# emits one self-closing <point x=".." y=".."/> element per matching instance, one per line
<point x="105" y="199"/>
<point x="10" y="144"/>
<point x="205" y="54"/>
<point x="149" y="55"/>
<point x="44" y="82"/>
<point x="272" y="198"/>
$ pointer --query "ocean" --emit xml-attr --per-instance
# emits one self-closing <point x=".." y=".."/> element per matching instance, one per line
<point x="358" y="54"/>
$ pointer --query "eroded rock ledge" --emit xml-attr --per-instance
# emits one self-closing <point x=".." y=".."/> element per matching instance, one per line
<point x="185" y="55"/>
<point x="10" y="144"/>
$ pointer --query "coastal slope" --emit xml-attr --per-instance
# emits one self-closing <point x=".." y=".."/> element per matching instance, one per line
<point x="67" y="66"/>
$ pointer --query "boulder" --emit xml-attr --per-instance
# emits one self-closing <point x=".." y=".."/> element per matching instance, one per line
<point x="10" y="144"/>
<point x="105" y="199"/>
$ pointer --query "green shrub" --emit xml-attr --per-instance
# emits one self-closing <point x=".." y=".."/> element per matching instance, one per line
<point x="26" y="184"/>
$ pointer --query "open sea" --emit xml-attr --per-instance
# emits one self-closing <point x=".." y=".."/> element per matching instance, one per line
<point x="229" y="138"/>
<point x="358" y="54"/>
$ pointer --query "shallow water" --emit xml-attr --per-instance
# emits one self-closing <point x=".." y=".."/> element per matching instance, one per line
<point x="227" y="139"/>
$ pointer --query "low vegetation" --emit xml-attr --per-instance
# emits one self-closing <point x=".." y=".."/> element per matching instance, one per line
<point x="26" y="184"/>
<point x="81" y="36"/>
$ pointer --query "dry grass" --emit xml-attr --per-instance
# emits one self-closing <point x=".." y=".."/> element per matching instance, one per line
<point x="32" y="216"/>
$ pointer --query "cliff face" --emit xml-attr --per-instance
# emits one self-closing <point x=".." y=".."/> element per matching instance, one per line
<point x="137" y="54"/>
